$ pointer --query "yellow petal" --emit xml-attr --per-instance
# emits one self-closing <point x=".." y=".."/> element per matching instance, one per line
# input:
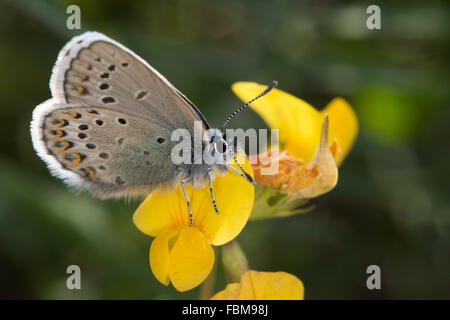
<point x="161" y="209"/>
<point x="231" y="292"/>
<point x="344" y="124"/>
<point x="234" y="197"/>
<point x="191" y="259"/>
<point x="182" y="256"/>
<point x="271" y="285"/>
<point x="255" y="285"/>
<point x="298" y="121"/>
<point x="160" y="254"/>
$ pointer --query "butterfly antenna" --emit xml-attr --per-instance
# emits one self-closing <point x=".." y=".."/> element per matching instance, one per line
<point x="268" y="89"/>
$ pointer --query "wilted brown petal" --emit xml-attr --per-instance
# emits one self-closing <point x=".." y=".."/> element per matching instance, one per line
<point x="294" y="176"/>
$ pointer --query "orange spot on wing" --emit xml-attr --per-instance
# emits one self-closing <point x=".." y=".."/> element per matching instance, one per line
<point x="65" y="146"/>
<point x="75" y="115"/>
<point x="89" y="171"/>
<point x="77" y="158"/>
<point x="62" y="123"/>
<point x="59" y="133"/>
<point x="82" y="90"/>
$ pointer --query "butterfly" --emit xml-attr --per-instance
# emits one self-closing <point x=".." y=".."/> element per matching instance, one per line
<point x="108" y="127"/>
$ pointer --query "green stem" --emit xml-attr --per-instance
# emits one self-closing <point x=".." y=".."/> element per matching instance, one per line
<point x="234" y="261"/>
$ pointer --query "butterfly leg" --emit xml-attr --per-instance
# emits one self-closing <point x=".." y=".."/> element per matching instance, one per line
<point x="238" y="149"/>
<point x="244" y="175"/>
<point x="240" y="174"/>
<point x="191" y="220"/>
<point x="247" y="176"/>
<point x="210" y="178"/>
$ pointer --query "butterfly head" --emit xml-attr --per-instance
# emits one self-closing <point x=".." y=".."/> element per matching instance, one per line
<point x="218" y="151"/>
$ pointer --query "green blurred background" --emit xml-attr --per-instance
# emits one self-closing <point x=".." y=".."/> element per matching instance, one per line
<point x="390" y="208"/>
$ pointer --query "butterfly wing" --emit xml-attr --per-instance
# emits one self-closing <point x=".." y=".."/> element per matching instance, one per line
<point x="97" y="71"/>
<point x="109" y="123"/>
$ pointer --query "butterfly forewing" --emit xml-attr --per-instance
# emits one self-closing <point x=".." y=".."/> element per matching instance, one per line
<point x="103" y="74"/>
<point x="108" y="126"/>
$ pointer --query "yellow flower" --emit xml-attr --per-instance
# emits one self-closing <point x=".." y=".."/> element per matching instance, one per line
<point x="180" y="253"/>
<point x="311" y="145"/>
<point x="299" y="122"/>
<point x="256" y="285"/>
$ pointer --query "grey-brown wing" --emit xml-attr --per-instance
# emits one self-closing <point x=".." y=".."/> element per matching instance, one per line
<point x="96" y="71"/>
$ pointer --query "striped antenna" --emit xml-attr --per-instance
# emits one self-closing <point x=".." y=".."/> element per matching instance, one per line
<point x="269" y="88"/>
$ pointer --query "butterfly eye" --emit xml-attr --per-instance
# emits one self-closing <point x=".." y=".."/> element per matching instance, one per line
<point x="221" y="147"/>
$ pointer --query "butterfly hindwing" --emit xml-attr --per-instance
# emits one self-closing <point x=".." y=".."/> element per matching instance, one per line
<point x="107" y="151"/>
